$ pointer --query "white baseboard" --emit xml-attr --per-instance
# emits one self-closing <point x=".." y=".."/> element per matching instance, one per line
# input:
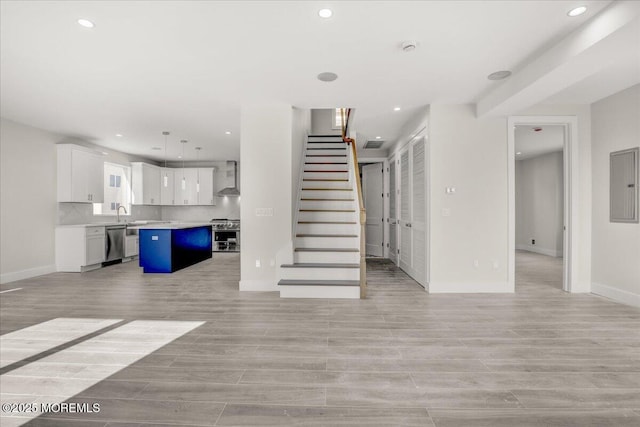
<point x="615" y="294"/>
<point x="469" y="287"/>
<point x="539" y="250"/>
<point x="259" y="285"/>
<point x="27" y="274"/>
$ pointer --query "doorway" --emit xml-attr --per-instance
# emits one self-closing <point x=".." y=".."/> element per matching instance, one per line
<point x="373" y="194"/>
<point x="539" y="199"/>
<point x="568" y="127"/>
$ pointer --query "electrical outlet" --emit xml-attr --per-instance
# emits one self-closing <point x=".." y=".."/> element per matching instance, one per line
<point x="476" y="263"/>
<point x="257" y="263"/>
<point x="496" y="265"/>
<point x="533" y="241"/>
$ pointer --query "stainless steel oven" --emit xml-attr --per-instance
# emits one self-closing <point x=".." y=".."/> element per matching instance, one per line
<point x="226" y="235"/>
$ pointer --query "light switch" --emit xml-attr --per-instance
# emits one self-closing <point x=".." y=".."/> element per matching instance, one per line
<point x="154" y="237"/>
<point x="446" y="212"/>
<point x="264" y="211"/>
<point x="450" y="190"/>
<point x="257" y="263"/>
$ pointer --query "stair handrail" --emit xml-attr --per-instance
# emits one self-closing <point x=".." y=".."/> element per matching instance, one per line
<point x="345" y="114"/>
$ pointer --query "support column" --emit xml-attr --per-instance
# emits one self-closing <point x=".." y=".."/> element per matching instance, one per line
<point x="266" y="181"/>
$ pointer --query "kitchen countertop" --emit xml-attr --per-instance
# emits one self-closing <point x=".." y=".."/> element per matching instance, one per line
<point x="108" y="224"/>
<point x="170" y="226"/>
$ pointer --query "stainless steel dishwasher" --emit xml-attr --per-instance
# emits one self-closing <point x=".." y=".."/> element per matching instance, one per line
<point x="114" y="242"/>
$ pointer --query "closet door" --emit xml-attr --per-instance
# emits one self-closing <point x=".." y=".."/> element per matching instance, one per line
<point x="393" y="216"/>
<point x="405" y="213"/>
<point x="419" y="211"/>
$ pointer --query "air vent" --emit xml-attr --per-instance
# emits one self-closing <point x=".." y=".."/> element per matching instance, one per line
<point x="373" y="144"/>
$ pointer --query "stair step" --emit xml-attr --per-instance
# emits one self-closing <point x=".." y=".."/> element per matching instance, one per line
<point x="327" y="189"/>
<point x="326" y="155"/>
<point x="325" y="179"/>
<point x="325" y="142"/>
<point x="328" y="222"/>
<point x="319" y="283"/>
<point x="306" y="199"/>
<point x="326" y="250"/>
<point x="324" y="136"/>
<point x="326" y="171"/>
<point x="325" y="163"/>
<point x="327" y="235"/>
<point x="327" y="210"/>
<point x="319" y="265"/>
<point x="326" y="148"/>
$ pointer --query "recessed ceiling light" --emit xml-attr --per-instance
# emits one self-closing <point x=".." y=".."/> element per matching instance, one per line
<point x="378" y="137"/>
<point x="86" y="23"/>
<point x="396" y="109"/>
<point x="577" y="11"/>
<point x="327" y="77"/>
<point x="228" y="132"/>
<point x="518" y="153"/>
<point x="119" y="135"/>
<point x="179" y="157"/>
<point x="499" y="75"/>
<point x="325" y="13"/>
<point x="156" y="148"/>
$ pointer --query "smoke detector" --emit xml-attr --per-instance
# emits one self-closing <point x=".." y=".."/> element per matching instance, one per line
<point x="408" y="46"/>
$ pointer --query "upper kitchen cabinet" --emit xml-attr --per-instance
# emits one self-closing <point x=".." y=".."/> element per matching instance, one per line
<point x="207" y="184"/>
<point x="185" y="186"/>
<point x="146" y="184"/>
<point x="194" y="186"/>
<point x="167" y="192"/>
<point x="80" y="174"/>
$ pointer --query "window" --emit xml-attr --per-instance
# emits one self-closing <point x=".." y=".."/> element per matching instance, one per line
<point x="117" y="190"/>
<point x="337" y="119"/>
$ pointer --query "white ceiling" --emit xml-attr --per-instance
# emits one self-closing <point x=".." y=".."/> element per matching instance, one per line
<point x="530" y="143"/>
<point x="189" y="66"/>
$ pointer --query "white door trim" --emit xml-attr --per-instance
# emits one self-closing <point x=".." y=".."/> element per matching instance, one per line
<point x="571" y="191"/>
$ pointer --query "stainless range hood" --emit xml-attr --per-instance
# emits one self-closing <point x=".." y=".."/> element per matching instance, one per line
<point x="231" y="187"/>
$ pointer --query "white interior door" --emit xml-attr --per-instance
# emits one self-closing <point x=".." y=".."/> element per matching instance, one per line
<point x="393" y="216"/>
<point x="374" y="205"/>
<point x="405" y="213"/>
<point x="419" y="211"/>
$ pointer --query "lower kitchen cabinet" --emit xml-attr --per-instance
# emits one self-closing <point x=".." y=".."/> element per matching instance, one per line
<point x="131" y="246"/>
<point x="79" y="248"/>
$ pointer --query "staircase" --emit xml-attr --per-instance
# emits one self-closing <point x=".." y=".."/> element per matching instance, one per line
<point x="326" y="249"/>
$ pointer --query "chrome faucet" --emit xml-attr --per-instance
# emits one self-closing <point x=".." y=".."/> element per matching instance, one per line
<point x="118" y="212"/>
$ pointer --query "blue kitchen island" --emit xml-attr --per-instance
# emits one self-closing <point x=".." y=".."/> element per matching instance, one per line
<point x="165" y="248"/>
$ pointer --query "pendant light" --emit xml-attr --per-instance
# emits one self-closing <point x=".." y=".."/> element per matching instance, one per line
<point x="198" y="170"/>
<point x="166" y="178"/>
<point x="184" y="180"/>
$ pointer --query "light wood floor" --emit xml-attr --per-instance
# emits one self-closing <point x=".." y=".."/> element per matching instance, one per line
<point x="539" y="357"/>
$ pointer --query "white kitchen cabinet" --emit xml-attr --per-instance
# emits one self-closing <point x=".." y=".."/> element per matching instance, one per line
<point x="185" y="186"/>
<point x="80" y="174"/>
<point x="145" y="184"/>
<point x="131" y="246"/>
<point x="79" y="248"/>
<point x="207" y="184"/>
<point x="167" y="192"/>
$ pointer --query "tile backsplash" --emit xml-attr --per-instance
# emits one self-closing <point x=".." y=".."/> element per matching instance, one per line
<point x="82" y="213"/>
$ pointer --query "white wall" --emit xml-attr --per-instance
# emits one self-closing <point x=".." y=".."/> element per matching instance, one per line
<point x="27" y="201"/>
<point x="469" y="154"/>
<point x="301" y="127"/>
<point x="322" y="122"/>
<point x="265" y="153"/>
<point x="616" y="246"/>
<point x="539" y="204"/>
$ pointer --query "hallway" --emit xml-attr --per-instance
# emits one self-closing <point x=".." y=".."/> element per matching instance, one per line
<point x="401" y="357"/>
